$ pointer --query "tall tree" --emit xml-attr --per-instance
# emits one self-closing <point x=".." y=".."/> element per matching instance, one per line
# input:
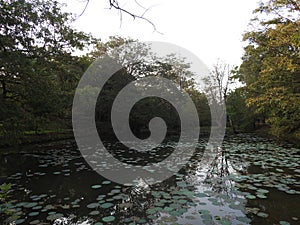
<point x="146" y="64"/>
<point x="271" y="64"/>
<point x="36" y="62"/>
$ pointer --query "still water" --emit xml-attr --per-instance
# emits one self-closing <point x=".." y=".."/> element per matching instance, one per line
<point x="251" y="181"/>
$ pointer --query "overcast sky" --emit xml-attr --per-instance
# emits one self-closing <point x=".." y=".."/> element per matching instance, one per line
<point x="211" y="29"/>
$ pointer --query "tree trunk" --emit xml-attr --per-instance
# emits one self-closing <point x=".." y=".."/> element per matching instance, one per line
<point x="231" y="124"/>
<point x="4" y="91"/>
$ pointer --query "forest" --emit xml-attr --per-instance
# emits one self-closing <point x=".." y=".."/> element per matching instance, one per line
<point x="40" y="72"/>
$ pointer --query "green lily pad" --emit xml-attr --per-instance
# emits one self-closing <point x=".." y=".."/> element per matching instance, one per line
<point x="94" y="213"/>
<point x="284" y="223"/>
<point x="54" y="216"/>
<point x="34" y="222"/>
<point x="203" y="211"/>
<point x="30" y="205"/>
<point x="225" y="221"/>
<point x="264" y="191"/>
<point x="19" y="221"/>
<point x="106" y="205"/>
<point x="250" y="196"/>
<point x="33" y="214"/>
<point x="243" y="219"/>
<point x="106" y="182"/>
<point x="206" y="217"/>
<point x="93" y="205"/>
<point x="108" y="219"/>
<point x="151" y="211"/>
<point x="262" y="214"/>
<point x="261" y="196"/>
<point x="96" y="186"/>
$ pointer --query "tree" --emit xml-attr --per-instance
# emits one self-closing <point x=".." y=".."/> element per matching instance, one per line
<point x="242" y="117"/>
<point x="36" y="63"/>
<point x="271" y="65"/>
<point x="146" y="64"/>
<point x="216" y="89"/>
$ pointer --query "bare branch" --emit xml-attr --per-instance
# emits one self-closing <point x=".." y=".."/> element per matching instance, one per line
<point x="114" y="4"/>
<point x="85" y="7"/>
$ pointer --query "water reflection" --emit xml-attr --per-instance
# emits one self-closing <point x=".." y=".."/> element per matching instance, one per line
<point x="244" y="184"/>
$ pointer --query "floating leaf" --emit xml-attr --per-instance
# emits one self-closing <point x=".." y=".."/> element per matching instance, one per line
<point x="106" y="205"/>
<point x="262" y="214"/>
<point x="264" y="191"/>
<point x="243" y="219"/>
<point x="96" y="186"/>
<point x="261" y="196"/>
<point x="30" y="205"/>
<point x="33" y="214"/>
<point x="95" y="212"/>
<point x="106" y="182"/>
<point x="250" y="196"/>
<point x="34" y="222"/>
<point x="108" y="219"/>
<point x="284" y="223"/>
<point x="151" y="211"/>
<point x="19" y="221"/>
<point x="93" y="205"/>
<point x="225" y="221"/>
<point x="54" y="216"/>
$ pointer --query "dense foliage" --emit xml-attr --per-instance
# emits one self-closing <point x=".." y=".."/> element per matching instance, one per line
<point x="37" y="70"/>
<point x="271" y="65"/>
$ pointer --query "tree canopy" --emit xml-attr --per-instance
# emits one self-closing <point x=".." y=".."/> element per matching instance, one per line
<point x="271" y="64"/>
<point x="37" y="67"/>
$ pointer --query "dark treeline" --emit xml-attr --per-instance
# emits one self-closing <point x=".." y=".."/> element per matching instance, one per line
<point x="39" y="73"/>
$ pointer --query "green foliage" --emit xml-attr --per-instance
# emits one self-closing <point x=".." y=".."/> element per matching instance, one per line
<point x="4" y="191"/>
<point x="171" y="67"/>
<point x="37" y="70"/>
<point x="4" y="203"/>
<point x="242" y="116"/>
<point x="271" y="65"/>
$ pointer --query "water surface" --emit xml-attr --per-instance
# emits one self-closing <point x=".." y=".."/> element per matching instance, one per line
<point x="251" y="181"/>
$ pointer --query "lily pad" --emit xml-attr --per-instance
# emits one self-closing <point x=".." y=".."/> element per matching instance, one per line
<point x="225" y="221"/>
<point x="96" y="186"/>
<point x="19" y="221"/>
<point x="30" y="205"/>
<point x="93" y="205"/>
<point x="54" y="216"/>
<point x="94" y="213"/>
<point x="106" y="205"/>
<point x="106" y="182"/>
<point x="243" y="219"/>
<point x="262" y="214"/>
<point x="34" y="222"/>
<point x="33" y="214"/>
<point x="250" y="196"/>
<point x="108" y="219"/>
<point x="284" y="223"/>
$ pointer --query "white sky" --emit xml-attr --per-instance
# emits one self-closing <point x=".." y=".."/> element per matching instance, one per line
<point x="211" y="29"/>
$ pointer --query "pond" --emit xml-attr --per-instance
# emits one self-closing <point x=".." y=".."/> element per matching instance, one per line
<point x="252" y="180"/>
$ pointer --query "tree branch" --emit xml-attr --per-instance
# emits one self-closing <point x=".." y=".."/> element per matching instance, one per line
<point x="85" y="7"/>
<point x="114" y="4"/>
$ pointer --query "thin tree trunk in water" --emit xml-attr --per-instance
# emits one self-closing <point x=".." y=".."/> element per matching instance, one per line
<point x="4" y="91"/>
<point x="231" y="124"/>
